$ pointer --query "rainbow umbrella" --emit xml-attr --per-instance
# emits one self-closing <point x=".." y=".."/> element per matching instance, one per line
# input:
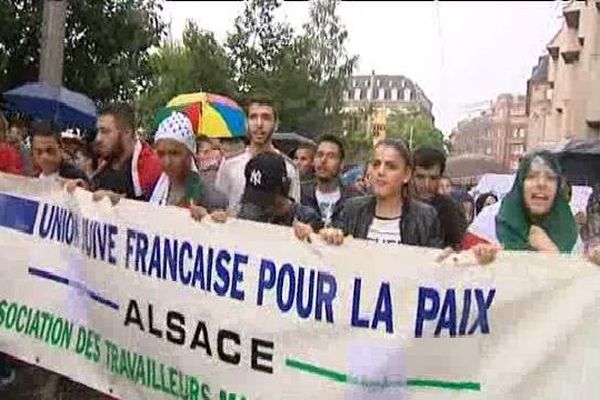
<point x="211" y="115"/>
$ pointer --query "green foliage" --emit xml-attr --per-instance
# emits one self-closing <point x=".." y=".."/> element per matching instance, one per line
<point x="305" y="74"/>
<point x="106" y="49"/>
<point x="416" y="129"/>
<point x="198" y="64"/>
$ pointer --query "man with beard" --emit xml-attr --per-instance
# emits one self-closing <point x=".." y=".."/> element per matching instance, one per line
<point x="262" y="123"/>
<point x="429" y="164"/>
<point x="128" y="167"/>
<point x="327" y="195"/>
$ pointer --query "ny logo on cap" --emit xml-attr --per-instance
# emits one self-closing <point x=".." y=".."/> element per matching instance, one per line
<point x="255" y="177"/>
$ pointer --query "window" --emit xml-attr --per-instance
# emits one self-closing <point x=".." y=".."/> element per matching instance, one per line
<point x="517" y="149"/>
<point x="357" y="94"/>
<point x="394" y="94"/>
<point x="381" y="94"/>
<point x="367" y="83"/>
<point x="390" y="82"/>
<point x="378" y="83"/>
<point x="407" y="94"/>
<point x="353" y="82"/>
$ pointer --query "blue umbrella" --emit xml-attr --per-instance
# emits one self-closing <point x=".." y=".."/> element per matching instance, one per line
<point x="60" y="105"/>
<point x="351" y="176"/>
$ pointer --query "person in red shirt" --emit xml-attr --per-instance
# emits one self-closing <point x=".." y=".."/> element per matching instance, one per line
<point x="10" y="158"/>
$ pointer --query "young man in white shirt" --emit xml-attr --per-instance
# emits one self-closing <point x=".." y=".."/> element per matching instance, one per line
<point x="262" y="123"/>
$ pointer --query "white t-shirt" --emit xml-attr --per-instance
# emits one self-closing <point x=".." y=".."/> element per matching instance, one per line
<point x="231" y="180"/>
<point x="326" y="202"/>
<point x="50" y="177"/>
<point x="385" y="231"/>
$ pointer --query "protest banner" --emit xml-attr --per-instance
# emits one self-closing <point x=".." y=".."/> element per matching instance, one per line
<point x="141" y="302"/>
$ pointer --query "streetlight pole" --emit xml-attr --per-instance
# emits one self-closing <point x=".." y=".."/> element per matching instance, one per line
<point x="53" y="42"/>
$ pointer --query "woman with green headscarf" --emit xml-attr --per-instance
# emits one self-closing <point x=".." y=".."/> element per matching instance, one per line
<point x="534" y="216"/>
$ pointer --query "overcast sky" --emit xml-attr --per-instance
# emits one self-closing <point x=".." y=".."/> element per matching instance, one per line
<point x="458" y="52"/>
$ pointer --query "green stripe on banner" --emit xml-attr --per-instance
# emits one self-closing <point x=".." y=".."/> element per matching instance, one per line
<point x="343" y="378"/>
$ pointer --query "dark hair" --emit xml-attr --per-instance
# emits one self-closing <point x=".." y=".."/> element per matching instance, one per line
<point x="306" y="146"/>
<point x="3" y="123"/>
<point x="428" y="157"/>
<point x="400" y="146"/>
<point x="335" y="140"/>
<point x="44" y="128"/>
<point x="262" y="100"/>
<point x="122" y="113"/>
<point x="480" y="202"/>
<point x="202" y="139"/>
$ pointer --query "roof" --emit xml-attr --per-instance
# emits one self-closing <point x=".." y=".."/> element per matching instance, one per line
<point x="581" y="146"/>
<point x="540" y="71"/>
<point x="472" y="165"/>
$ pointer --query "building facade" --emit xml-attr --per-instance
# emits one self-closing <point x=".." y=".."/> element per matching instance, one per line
<point x="564" y="102"/>
<point x="473" y="135"/>
<point x="500" y="132"/>
<point x="378" y="96"/>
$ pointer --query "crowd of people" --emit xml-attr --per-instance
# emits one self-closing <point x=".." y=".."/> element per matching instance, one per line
<point x="402" y="198"/>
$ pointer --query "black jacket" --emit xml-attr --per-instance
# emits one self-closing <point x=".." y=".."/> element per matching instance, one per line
<point x="419" y="225"/>
<point x="309" y="199"/>
<point x="298" y="212"/>
<point x="69" y="171"/>
<point x="452" y="220"/>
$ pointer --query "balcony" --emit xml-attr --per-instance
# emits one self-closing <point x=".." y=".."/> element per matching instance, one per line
<point x="571" y="14"/>
<point x="553" y="51"/>
<point x="570" y="56"/>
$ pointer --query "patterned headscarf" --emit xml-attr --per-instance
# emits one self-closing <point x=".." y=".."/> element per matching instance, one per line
<point x="177" y="127"/>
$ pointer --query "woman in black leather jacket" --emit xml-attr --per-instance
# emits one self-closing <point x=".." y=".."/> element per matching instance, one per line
<point x="388" y="216"/>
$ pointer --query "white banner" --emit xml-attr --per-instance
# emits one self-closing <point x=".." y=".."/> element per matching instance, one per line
<point x="140" y="302"/>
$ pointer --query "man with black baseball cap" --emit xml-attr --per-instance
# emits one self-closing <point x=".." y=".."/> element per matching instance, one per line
<point x="266" y="194"/>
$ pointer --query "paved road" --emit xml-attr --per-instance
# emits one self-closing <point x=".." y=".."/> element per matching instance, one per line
<point x="34" y="383"/>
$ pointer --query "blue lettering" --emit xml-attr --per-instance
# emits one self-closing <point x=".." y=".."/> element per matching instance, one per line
<point x="155" y="258"/>
<point x="356" y="319"/>
<point x="185" y="277"/>
<point x="287" y="270"/>
<point x="304" y="311"/>
<point x="326" y="292"/>
<point x="483" y="305"/>
<point x="237" y="276"/>
<point x="223" y="258"/>
<point x="383" y="309"/>
<point x="46" y="221"/>
<point x="141" y="250"/>
<point x="57" y="224"/>
<point x="264" y="281"/>
<point x="112" y="232"/>
<point x="170" y="258"/>
<point x="424" y="313"/>
<point x="129" y="248"/>
<point x="199" y="268"/>
<point x="465" y="314"/>
<point x="447" y="318"/>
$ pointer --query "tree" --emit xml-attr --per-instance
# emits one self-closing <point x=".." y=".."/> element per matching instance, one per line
<point x="268" y="58"/>
<point x="416" y="129"/>
<point x="106" y="50"/>
<point x="330" y="65"/>
<point x="256" y="44"/>
<point x="198" y="64"/>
